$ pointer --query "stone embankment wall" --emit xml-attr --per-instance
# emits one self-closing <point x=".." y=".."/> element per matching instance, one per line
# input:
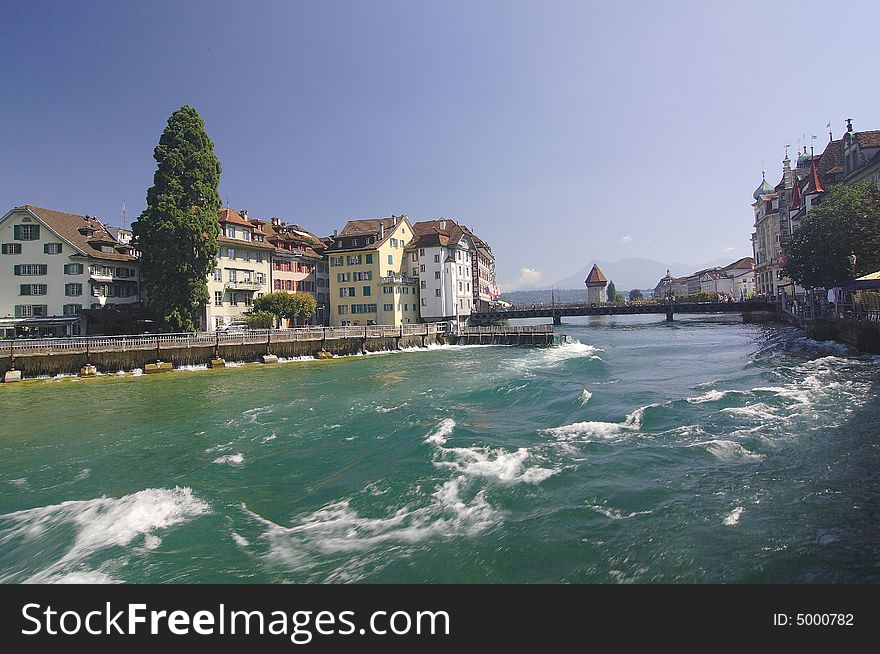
<point x="37" y="365"/>
<point x="864" y="335"/>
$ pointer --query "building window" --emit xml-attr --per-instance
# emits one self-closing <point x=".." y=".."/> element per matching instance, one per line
<point x="436" y="292"/>
<point x="248" y="300"/>
<point x="421" y="252"/>
<point x="73" y="269"/>
<point x="26" y="232"/>
<point x="30" y="269"/>
<point x="52" y="248"/>
<point x="436" y="258"/>
<point x="218" y="275"/>
<point x="342" y="309"/>
<point x="218" y="298"/>
<point x="422" y="268"/>
<point x="424" y="284"/>
<point x="367" y="291"/>
<point x="230" y="232"/>
<point x="390" y="259"/>
<point x="231" y="253"/>
<point x="258" y="278"/>
<point x="369" y="258"/>
<point x="232" y="276"/>
<point x="32" y="289"/>
<point x="233" y="299"/>
<point x="11" y="248"/>
<point x="73" y="290"/>
<point x="424" y="302"/>
<point x="72" y="309"/>
<point x="436" y="274"/>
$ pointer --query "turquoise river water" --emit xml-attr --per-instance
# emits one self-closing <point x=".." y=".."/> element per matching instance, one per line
<point x="705" y="450"/>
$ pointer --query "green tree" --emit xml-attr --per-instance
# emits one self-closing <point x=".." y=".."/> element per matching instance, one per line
<point x="287" y="305"/>
<point x="177" y="232"/>
<point x="304" y="305"/>
<point x="611" y="293"/>
<point x="260" y="320"/>
<point x="634" y="295"/>
<point x="846" y="222"/>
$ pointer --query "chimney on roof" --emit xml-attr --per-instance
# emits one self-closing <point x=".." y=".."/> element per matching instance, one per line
<point x="335" y="233"/>
<point x="243" y="213"/>
<point x="849" y="125"/>
<point x="393" y="220"/>
<point x="442" y="224"/>
<point x="381" y="231"/>
<point x="276" y="221"/>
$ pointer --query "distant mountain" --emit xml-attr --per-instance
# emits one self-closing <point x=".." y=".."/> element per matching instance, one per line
<point x="637" y="273"/>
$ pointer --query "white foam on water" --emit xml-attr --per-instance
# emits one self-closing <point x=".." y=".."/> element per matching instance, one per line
<point x="231" y="459"/>
<point x="269" y="438"/>
<point x="495" y="464"/>
<point x="239" y="540"/>
<point x="296" y="359"/>
<point x="338" y="529"/>
<point x="614" y="514"/>
<point x="219" y="447"/>
<point x="556" y="355"/>
<point x="440" y="434"/>
<point x="732" y="518"/>
<point x="137" y="372"/>
<point x="585" y="396"/>
<point x="725" y="450"/>
<point x="382" y="409"/>
<point x="83" y="474"/>
<point x="588" y="429"/>
<point x="191" y="367"/>
<point x="19" y="482"/>
<point x="709" y="396"/>
<point x="758" y="411"/>
<point x="101" y="524"/>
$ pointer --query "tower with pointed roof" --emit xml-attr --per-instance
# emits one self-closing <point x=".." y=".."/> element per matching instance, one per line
<point x="596" y="283"/>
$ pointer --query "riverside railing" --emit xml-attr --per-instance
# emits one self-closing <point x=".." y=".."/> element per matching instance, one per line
<point x="159" y="342"/>
<point x="521" y="329"/>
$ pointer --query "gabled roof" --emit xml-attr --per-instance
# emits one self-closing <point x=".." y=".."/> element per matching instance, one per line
<point x="813" y="183"/>
<point x="68" y="226"/>
<point x="227" y="215"/>
<point x="746" y="263"/>
<point x="368" y="228"/>
<point x="595" y="278"/>
<point x="437" y="232"/>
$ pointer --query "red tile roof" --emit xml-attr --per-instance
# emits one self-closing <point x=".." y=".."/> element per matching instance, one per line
<point x="595" y="277"/>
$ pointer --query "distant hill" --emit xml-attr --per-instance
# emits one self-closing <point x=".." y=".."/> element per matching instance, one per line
<point x="637" y="273"/>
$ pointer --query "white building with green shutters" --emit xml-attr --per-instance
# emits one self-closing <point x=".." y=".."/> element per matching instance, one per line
<point x="54" y="266"/>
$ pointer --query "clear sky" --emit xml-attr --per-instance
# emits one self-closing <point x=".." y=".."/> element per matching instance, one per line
<point x="558" y="131"/>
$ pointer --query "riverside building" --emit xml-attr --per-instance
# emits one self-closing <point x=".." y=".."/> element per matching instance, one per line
<point x="370" y="280"/>
<point x="242" y="272"/>
<point x="57" y="269"/>
<point x="298" y="266"/>
<point x="441" y="256"/>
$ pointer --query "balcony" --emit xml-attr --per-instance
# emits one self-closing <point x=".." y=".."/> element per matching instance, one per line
<point x="244" y="285"/>
<point x="398" y="279"/>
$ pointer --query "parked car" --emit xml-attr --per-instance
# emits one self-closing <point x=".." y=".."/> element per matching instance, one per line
<point x="233" y="327"/>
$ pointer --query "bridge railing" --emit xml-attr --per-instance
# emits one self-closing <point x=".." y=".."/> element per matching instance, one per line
<point x="519" y="329"/>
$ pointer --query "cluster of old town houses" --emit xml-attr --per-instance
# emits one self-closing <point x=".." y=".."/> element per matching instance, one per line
<point x="65" y="274"/>
<point x="779" y="211"/>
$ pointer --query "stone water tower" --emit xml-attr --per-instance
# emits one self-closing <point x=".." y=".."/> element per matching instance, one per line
<point x="596" y="283"/>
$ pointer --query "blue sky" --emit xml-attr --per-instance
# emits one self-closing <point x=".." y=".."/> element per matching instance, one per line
<point x="559" y="131"/>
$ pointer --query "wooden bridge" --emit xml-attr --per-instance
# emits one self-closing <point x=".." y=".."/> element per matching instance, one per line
<point x="558" y="311"/>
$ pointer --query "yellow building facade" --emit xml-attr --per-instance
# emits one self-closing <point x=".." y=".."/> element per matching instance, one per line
<point x="368" y="280"/>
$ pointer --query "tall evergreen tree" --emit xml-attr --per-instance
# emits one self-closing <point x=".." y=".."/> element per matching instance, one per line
<point x="177" y="232"/>
<point x="611" y="293"/>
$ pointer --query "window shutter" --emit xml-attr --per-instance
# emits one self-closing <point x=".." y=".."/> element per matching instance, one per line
<point x="16" y="232"/>
<point x="4" y="249"/>
<point x="35" y="232"/>
<point x="45" y="248"/>
<point x="17" y="307"/>
<point x="17" y="268"/>
<point x="43" y="269"/>
<point x="24" y="289"/>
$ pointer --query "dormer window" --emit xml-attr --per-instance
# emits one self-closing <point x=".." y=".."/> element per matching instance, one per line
<point x="230" y="232"/>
